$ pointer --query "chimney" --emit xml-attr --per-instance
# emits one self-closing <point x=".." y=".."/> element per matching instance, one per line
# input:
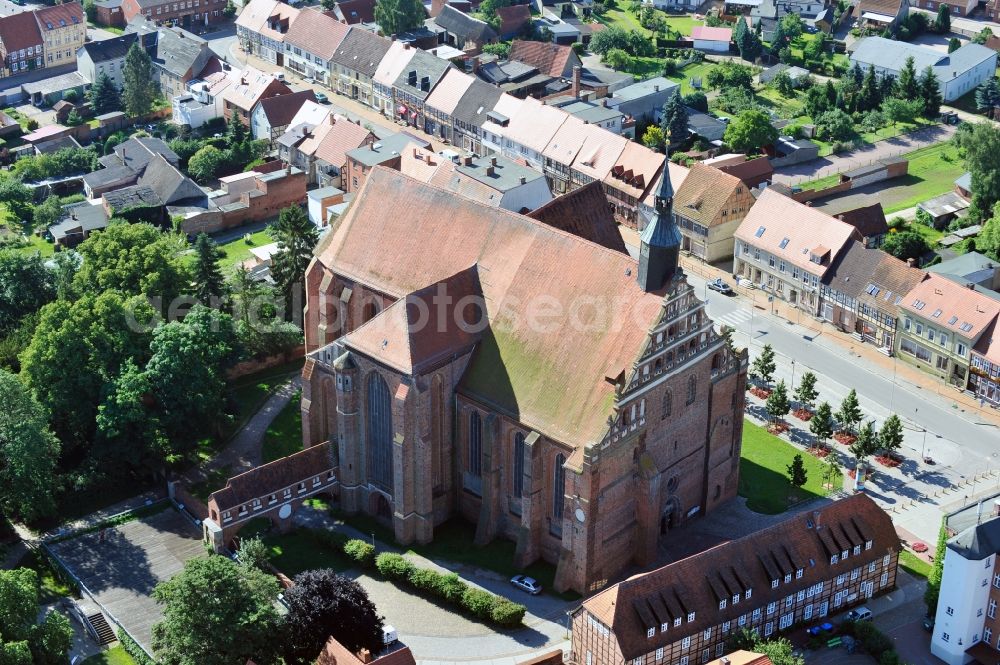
<point x="467" y="161"/>
<point x="406" y="46"/>
<point x="490" y="171"/>
<point x="288" y="169"/>
<point x="912" y="262"/>
<point x="523" y="180"/>
<point x="575" y="89"/>
<point x="493" y="161"/>
<point x="333" y="119"/>
<point x="365" y="656"/>
<point x="973" y="287"/>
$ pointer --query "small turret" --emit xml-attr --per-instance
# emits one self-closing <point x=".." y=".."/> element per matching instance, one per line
<point x="660" y="242"/>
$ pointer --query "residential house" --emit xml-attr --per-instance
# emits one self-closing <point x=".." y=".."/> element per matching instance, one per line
<point x="335" y="653"/>
<point x="551" y="59"/>
<point x="183" y="13"/>
<point x="716" y="40"/>
<point x="125" y="164"/>
<point x="389" y="68"/>
<point x="942" y="320"/>
<point x="517" y="78"/>
<point x="204" y="100"/>
<point x="965" y="626"/>
<point x="769" y="12"/>
<point x="414" y="85"/>
<point x="311" y="42"/>
<point x="106" y="56"/>
<point x="109" y="13"/>
<point x="77" y="222"/>
<point x="862" y="291"/>
<point x="353" y="12"/>
<point x="881" y="14"/>
<point x="514" y="20"/>
<point x="796" y="74"/>
<point x="644" y="100"/>
<point x="869" y="221"/>
<point x="984" y="367"/>
<point x="64" y="32"/>
<point x="798" y="571"/>
<point x="319" y="148"/>
<point x="355" y="62"/>
<point x="958" y="72"/>
<point x="178" y="56"/>
<point x="971" y="267"/>
<point x="753" y="172"/>
<point x="20" y="44"/>
<point x="530" y="130"/>
<point x="442" y="102"/>
<point x="957" y="7"/>
<point x="709" y="207"/>
<point x="631" y="180"/>
<point x="248" y="88"/>
<point x="272" y="115"/>
<point x="561" y="152"/>
<point x="462" y="31"/>
<point x="261" y="28"/>
<point x="322" y="201"/>
<point x="469" y="115"/>
<point x="677" y="372"/>
<point x="787" y="248"/>
<point x="386" y="152"/>
<point x="597" y="114"/>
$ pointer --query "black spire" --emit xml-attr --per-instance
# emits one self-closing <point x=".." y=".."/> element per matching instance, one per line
<point x="660" y="242"/>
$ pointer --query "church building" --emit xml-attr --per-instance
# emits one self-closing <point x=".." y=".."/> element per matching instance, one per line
<point x="467" y="361"/>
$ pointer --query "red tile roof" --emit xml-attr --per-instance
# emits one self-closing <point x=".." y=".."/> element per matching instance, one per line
<point x="513" y="18"/>
<point x="711" y="34"/>
<point x="584" y="212"/>
<point x="752" y="171"/>
<point x="317" y="33"/>
<point x="549" y="58"/>
<point x="868" y="220"/>
<point x="336" y="653"/>
<point x="340" y="136"/>
<point x="273" y="477"/>
<point x="951" y="306"/>
<point x="19" y="31"/>
<point x="60" y="16"/>
<point x="705" y="193"/>
<point x="280" y="109"/>
<point x="698" y="583"/>
<point x="357" y="11"/>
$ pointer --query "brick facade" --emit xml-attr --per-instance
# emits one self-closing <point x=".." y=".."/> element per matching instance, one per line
<point x="185" y="13"/>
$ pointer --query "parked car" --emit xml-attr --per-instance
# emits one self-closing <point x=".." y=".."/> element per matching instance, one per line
<point x="859" y="614"/>
<point x="280" y="76"/>
<point x="528" y="584"/>
<point x="720" y="286"/>
<point x="321" y="98"/>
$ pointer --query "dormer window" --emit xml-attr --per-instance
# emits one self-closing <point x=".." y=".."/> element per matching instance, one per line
<point x="834" y="559"/>
<point x="843" y="555"/>
<point x="868" y="545"/>
<point x="747" y="594"/>
<point x="736" y="598"/>
<point x="857" y="550"/>
<point x="663" y="627"/>
<point x="788" y="578"/>
<point x="677" y="622"/>
<point x="798" y="574"/>
<point x="690" y="617"/>
<point x="722" y="604"/>
<point x="774" y="584"/>
<point x="650" y="632"/>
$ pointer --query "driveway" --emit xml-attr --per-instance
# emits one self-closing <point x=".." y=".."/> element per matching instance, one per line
<point x="863" y="156"/>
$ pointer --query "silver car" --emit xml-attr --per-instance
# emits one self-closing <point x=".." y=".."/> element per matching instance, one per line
<point x="528" y="584"/>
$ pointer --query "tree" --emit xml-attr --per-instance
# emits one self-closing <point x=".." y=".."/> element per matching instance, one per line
<point x="797" y="475"/>
<point x="988" y="95"/>
<point x="90" y="9"/>
<point x="750" y="131"/>
<point x="874" y="120"/>
<point x="139" y="90"/>
<point x="821" y="424"/>
<point x="25" y="285"/>
<point x="806" y="393"/>
<point x="866" y="443"/>
<point x="24" y="641"/>
<point x="727" y="74"/>
<point x="907" y="86"/>
<point x="15" y="194"/>
<point x="777" y="402"/>
<point x="835" y="125"/>
<point x="890" y="437"/>
<point x="791" y="25"/>
<point x="615" y="37"/>
<point x="902" y="110"/>
<point x="980" y="146"/>
<point x="205" y="164"/>
<point x="28" y="453"/>
<point x="763" y="366"/>
<point x="906" y="245"/>
<point x="779" y="651"/>
<point x="930" y="93"/>
<point x="209" y="283"/>
<point x="324" y="604"/>
<point x="675" y="120"/>
<point x="868" y="97"/>
<point x="397" y="16"/>
<point x="697" y="100"/>
<point x="216" y="612"/>
<point x="617" y="59"/>
<point x="849" y="414"/>
<point x="831" y="470"/>
<point x="954" y="44"/>
<point x="296" y="237"/>
<point x="783" y="84"/>
<point x="779" y="41"/>
<point x="739" y="33"/>
<point x="933" y="589"/>
<point x="982" y="36"/>
<point x="254" y="553"/>
<point x="942" y="22"/>
<point x="653" y="137"/>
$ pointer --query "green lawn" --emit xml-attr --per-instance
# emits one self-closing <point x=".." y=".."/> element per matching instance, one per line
<point x="625" y="19"/>
<point x="52" y="588"/>
<point x="284" y="436"/>
<point x="296" y="551"/>
<point x="113" y="656"/>
<point x="699" y="70"/>
<point x="929" y="233"/>
<point x="238" y="250"/>
<point x="764" y="475"/>
<point x="250" y="392"/>
<point x="914" y="565"/>
<point x="932" y="172"/>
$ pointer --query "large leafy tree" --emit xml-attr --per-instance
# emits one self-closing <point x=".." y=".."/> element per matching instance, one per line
<point x="980" y="146"/>
<point x="104" y="96"/>
<point x="216" y="612"/>
<point x="323" y="604"/>
<point x="133" y="259"/>
<point x="630" y="41"/>
<point x="23" y="639"/>
<point x="208" y="281"/>
<point x="750" y="131"/>
<point x="205" y="164"/>
<point x="28" y="453"/>
<point x="296" y="237"/>
<point x="906" y="245"/>
<point x="396" y="16"/>
<point x="25" y="285"/>
<point x="140" y="89"/>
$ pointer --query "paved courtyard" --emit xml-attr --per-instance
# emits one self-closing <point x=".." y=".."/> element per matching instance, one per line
<point x="122" y="568"/>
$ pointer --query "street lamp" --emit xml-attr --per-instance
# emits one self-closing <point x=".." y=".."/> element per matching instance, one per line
<point x="793" y="375"/>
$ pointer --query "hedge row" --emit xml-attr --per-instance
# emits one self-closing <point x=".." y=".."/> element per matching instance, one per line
<point x="133" y="649"/>
<point x="481" y="604"/>
<point x="874" y="641"/>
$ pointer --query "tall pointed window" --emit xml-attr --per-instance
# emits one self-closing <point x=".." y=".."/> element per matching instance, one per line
<point x="474" y="464"/>
<point x="692" y="389"/>
<point x="379" y="433"/>
<point x="558" y="489"/>
<point x="518" y="465"/>
<point x="668" y="404"/>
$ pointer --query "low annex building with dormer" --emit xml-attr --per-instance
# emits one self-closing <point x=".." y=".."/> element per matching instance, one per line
<point x="465" y="360"/>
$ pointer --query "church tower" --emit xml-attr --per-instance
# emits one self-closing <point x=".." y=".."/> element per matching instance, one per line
<point x="660" y="241"/>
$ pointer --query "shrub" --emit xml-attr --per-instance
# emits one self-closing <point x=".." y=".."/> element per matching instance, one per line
<point x="425" y="579"/>
<point x="479" y="602"/>
<point x="133" y="649"/>
<point x="452" y="588"/>
<point x="872" y="639"/>
<point x="507" y="613"/>
<point x="393" y="566"/>
<point x="889" y="658"/>
<point x="360" y="552"/>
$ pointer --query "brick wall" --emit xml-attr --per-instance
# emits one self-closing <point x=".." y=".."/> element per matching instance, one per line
<point x="258" y="364"/>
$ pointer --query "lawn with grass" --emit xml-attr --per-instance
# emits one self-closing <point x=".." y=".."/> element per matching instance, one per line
<point x="52" y="587"/>
<point x="929" y="233"/>
<point x="932" y="171"/>
<point x="250" y="392"/>
<point x="284" y="436"/>
<point x="296" y="551"/>
<point x="237" y="251"/>
<point x="114" y="656"/>
<point x="698" y="71"/>
<point x="913" y="564"/>
<point x="764" y="472"/>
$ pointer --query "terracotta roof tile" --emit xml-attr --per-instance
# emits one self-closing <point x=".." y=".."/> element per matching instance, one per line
<point x="988" y="345"/>
<point x="684" y="586"/>
<point x="437" y="235"/>
<point x="448" y="93"/>
<point x="873" y="277"/>
<point x="534" y="124"/>
<point x="317" y="33"/>
<point x="567" y="141"/>
<point x="394" y="62"/>
<point x="250" y="85"/>
<point x="711" y="34"/>
<point x="255" y="14"/>
<point x="336" y="653"/>
<point x="19" y="31"/>
<point x="358" y="11"/>
<point x="584" y="212"/>
<point x="794" y="232"/>
<point x="338" y="136"/>
<point x="600" y="152"/>
<point x="636" y="171"/>
<point x="273" y="476"/>
<point x="547" y="57"/>
<point x="60" y="16"/>
<point x="963" y="310"/>
<point x="704" y="194"/>
<point x="752" y="171"/>
<point x="513" y="18"/>
<point x="868" y="220"/>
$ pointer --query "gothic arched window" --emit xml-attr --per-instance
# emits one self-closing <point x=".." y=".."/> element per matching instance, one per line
<point x="518" y="465"/>
<point x="379" y="432"/>
<point x="558" y="489"/>
<point x="692" y="389"/>
<point x="474" y="464"/>
<point x="668" y="405"/>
